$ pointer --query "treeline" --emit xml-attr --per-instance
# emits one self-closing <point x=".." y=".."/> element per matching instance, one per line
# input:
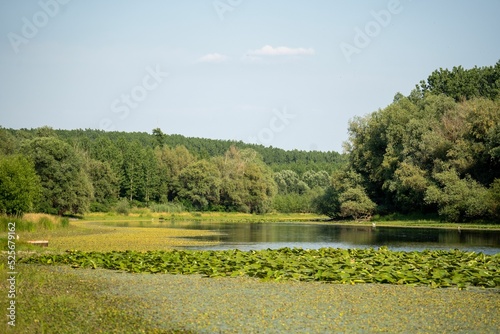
<point x="74" y="171"/>
<point x="434" y="151"/>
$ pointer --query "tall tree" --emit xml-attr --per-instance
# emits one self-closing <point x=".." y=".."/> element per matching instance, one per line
<point x="66" y="186"/>
<point x="19" y="185"/>
<point x="105" y="183"/>
<point x="199" y="184"/>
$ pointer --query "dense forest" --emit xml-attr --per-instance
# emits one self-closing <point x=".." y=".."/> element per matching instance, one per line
<point x="74" y="171"/>
<point x="435" y="151"/>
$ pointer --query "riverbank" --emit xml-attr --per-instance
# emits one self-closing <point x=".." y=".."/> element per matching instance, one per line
<point x="233" y="217"/>
<point x="236" y="217"/>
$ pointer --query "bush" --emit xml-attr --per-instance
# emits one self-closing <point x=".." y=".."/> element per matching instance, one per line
<point x="123" y="207"/>
<point x="292" y="203"/>
<point x="98" y="207"/>
<point x="459" y="199"/>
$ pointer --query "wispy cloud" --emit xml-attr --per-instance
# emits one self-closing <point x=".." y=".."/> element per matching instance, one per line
<point x="213" y="58"/>
<point x="268" y="50"/>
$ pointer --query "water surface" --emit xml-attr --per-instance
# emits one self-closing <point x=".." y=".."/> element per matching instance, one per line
<point x="255" y="236"/>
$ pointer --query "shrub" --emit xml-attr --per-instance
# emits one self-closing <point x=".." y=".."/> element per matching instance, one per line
<point x="123" y="207"/>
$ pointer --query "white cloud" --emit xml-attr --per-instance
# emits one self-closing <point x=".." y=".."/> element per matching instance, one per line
<point x="268" y="50"/>
<point x="213" y="58"/>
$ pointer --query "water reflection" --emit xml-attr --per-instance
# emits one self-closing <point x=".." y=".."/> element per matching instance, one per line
<point x="249" y="236"/>
<point x="275" y="235"/>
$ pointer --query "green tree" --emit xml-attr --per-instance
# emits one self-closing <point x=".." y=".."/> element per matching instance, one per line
<point x="355" y="203"/>
<point x="105" y="184"/>
<point x="260" y="187"/>
<point x="19" y="185"/>
<point x="232" y="170"/>
<point x="199" y="184"/>
<point x="328" y="203"/>
<point x="289" y="181"/>
<point x="104" y="150"/>
<point x="159" y="137"/>
<point x="65" y="185"/>
<point x="171" y="162"/>
<point x="247" y="183"/>
<point x="133" y="172"/>
<point x="8" y="143"/>
<point x="459" y="199"/>
<point x="495" y="198"/>
<point x="151" y="183"/>
<point x="461" y="84"/>
<point x="346" y="197"/>
<point x="314" y="179"/>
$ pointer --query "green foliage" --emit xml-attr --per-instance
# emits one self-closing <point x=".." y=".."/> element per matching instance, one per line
<point x="66" y="186"/>
<point x="289" y="182"/>
<point x="19" y="185"/>
<point x="105" y="184"/>
<point x="431" y="150"/>
<point x="199" y="183"/>
<point x="355" y="203"/>
<point x="459" y="199"/>
<point x="246" y="183"/>
<point x="146" y="169"/>
<point x="328" y="204"/>
<point x="346" y="197"/>
<point x="297" y="203"/>
<point x="64" y="222"/>
<point x="320" y="179"/>
<point x="460" y="83"/>
<point x="123" y="207"/>
<point x="347" y="266"/>
<point x="8" y="143"/>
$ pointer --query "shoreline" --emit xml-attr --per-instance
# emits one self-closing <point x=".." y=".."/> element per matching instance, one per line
<point x="217" y="217"/>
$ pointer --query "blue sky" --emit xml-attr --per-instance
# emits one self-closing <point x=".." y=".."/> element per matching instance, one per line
<point x="287" y="74"/>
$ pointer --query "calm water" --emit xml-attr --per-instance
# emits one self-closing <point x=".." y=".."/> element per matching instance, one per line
<point x="252" y="236"/>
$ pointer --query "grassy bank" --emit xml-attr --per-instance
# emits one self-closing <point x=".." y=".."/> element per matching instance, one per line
<point x="233" y="217"/>
<point x="64" y="234"/>
<point x="236" y="217"/>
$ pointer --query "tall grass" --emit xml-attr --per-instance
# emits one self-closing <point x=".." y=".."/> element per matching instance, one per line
<point x="34" y="222"/>
<point x="167" y="207"/>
